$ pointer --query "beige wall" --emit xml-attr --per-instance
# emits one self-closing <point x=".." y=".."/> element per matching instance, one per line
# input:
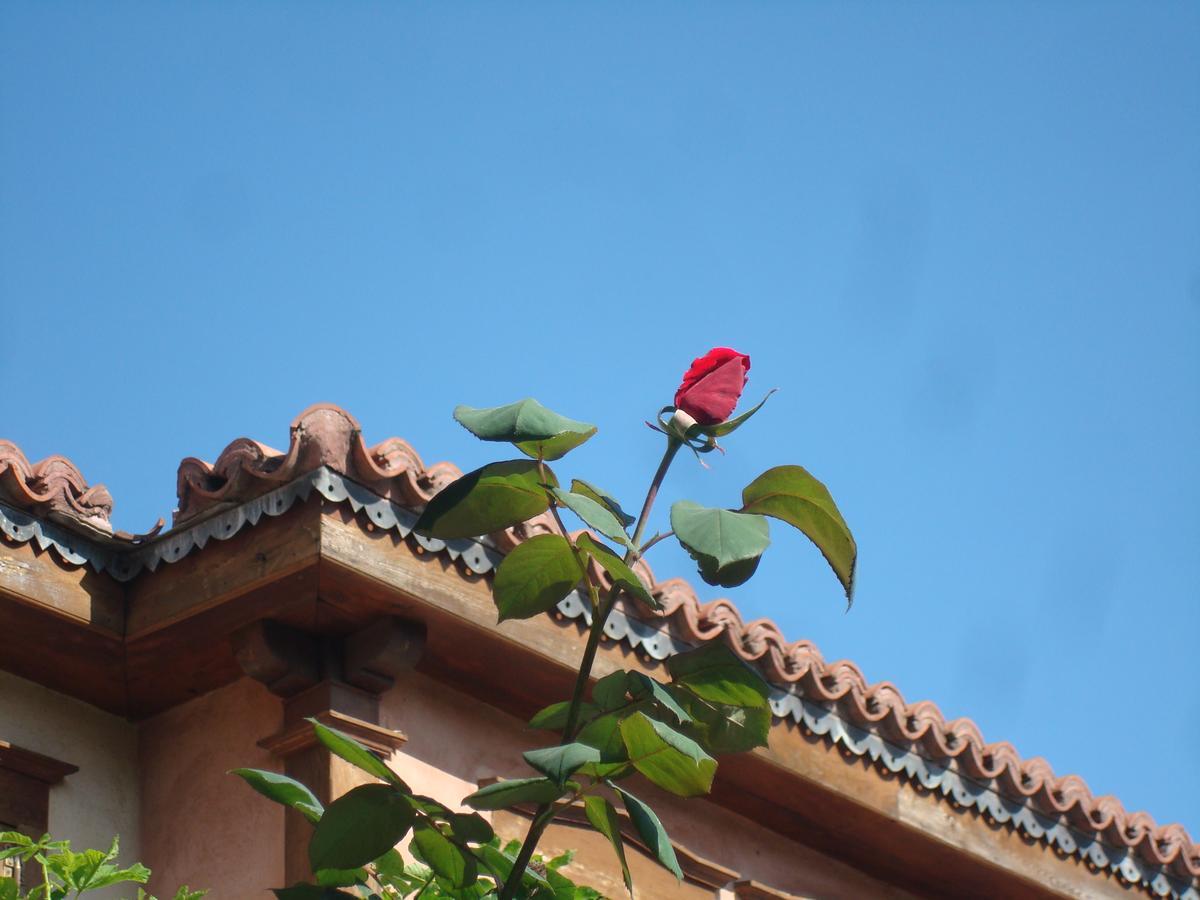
<point x="100" y="800"/>
<point x="454" y="742"/>
<point x="201" y="826"/>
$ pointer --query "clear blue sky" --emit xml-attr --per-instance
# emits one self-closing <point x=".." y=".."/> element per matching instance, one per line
<point x="962" y="239"/>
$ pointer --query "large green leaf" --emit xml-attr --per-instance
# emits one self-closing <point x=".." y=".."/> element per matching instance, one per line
<point x="716" y="674"/>
<point x="341" y="744"/>
<point x="604" y="733"/>
<point x="610" y="691"/>
<point x="447" y="859"/>
<point x="536" y="575"/>
<point x="594" y="515"/>
<point x="469" y="828"/>
<point x="341" y="877"/>
<point x="504" y="794"/>
<point x="671" y="760"/>
<point x="359" y="827"/>
<point x="561" y="762"/>
<point x="623" y="576"/>
<point x="725" y="544"/>
<point x="554" y="716"/>
<point x="642" y="685"/>
<point x="489" y="499"/>
<point x="605" y="499"/>
<point x="311" y="892"/>
<point x="651" y="831"/>
<point x="282" y="789"/>
<point x="603" y="816"/>
<point x="529" y="425"/>
<point x="792" y="495"/>
<point x="721" y="728"/>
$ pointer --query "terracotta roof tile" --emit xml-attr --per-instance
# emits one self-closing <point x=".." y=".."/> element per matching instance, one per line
<point x="53" y="488"/>
<point x="325" y="435"/>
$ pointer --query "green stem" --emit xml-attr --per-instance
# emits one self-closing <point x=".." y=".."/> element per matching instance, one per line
<point x="600" y="612"/>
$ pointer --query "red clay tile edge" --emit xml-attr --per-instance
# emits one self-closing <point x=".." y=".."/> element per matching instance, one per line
<point x="326" y="435"/>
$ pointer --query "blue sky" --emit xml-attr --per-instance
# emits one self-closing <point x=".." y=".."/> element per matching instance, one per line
<point x="963" y="240"/>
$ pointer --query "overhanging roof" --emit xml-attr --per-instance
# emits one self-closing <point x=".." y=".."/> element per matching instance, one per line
<point x="330" y="515"/>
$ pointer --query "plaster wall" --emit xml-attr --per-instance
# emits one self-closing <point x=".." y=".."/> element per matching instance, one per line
<point x="455" y="741"/>
<point x="99" y="801"/>
<point x="201" y="826"/>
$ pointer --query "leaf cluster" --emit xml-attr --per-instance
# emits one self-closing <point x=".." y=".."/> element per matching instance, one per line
<point x="353" y="846"/>
<point x="69" y="874"/>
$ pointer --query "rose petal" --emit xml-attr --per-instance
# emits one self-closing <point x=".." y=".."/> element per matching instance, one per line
<point x="712" y="386"/>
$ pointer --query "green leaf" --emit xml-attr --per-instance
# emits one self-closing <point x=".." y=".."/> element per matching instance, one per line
<point x="623" y="576"/>
<point x="504" y="794"/>
<point x="603" y="816"/>
<point x="554" y="716"/>
<point x="609" y="692"/>
<point x="604" y="734"/>
<point x="790" y="494"/>
<point x="501" y="862"/>
<point x="594" y="515"/>
<point x="489" y="499"/>
<point x="8" y="889"/>
<point x="447" y="859"/>
<point x="578" y="486"/>
<point x="671" y="760"/>
<point x="360" y="826"/>
<point x="310" y="892"/>
<point x="715" y="673"/>
<point x="642" y="685"/>
<point x="470" y="828"/>
<point x="529" y="425"/>
<point x="341" y="744"/>
<point x="720" y="728"/>
<point x="561" y="762"/>
<point x="535" y="576"/>
<point x="282" y="789"/>
<point x="725" y="544"/>
<point x="651" y="831"/>
<point x="340" y="877"/>
<point x="728" y="427"/>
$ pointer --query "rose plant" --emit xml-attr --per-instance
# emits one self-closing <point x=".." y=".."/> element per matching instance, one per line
<point x="626" y="723"/>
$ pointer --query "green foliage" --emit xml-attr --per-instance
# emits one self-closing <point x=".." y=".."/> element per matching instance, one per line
<point x="603" y="817"/>
<point x="594" y="515"/>
<point x="359" y="826"/>
<point x="604" y="498"/>
<point x="504" y="794"/>
<point x="792" y="495"/>
<point x="725" y="544"/>
<point x="535" y="576"/>
<point x="535" y="430"/>
<point x="713" y="672"/>
<point x="283" y="789"/>
<point x="669" y="733"/>
<point x="494" y="497"/>
<point x="623" y="577"/>
<point x="561" y="762"/>
<point x="671" y="760"/>
<point x="66" y="873"/>
<point x="651" y="831"/>
<point x="356" y="754"/>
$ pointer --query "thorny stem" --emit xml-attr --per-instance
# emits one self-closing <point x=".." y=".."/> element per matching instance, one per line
<point x="600" y="612"/>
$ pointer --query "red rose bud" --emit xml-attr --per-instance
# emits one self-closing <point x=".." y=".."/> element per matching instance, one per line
<point x="712" y="386"/>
